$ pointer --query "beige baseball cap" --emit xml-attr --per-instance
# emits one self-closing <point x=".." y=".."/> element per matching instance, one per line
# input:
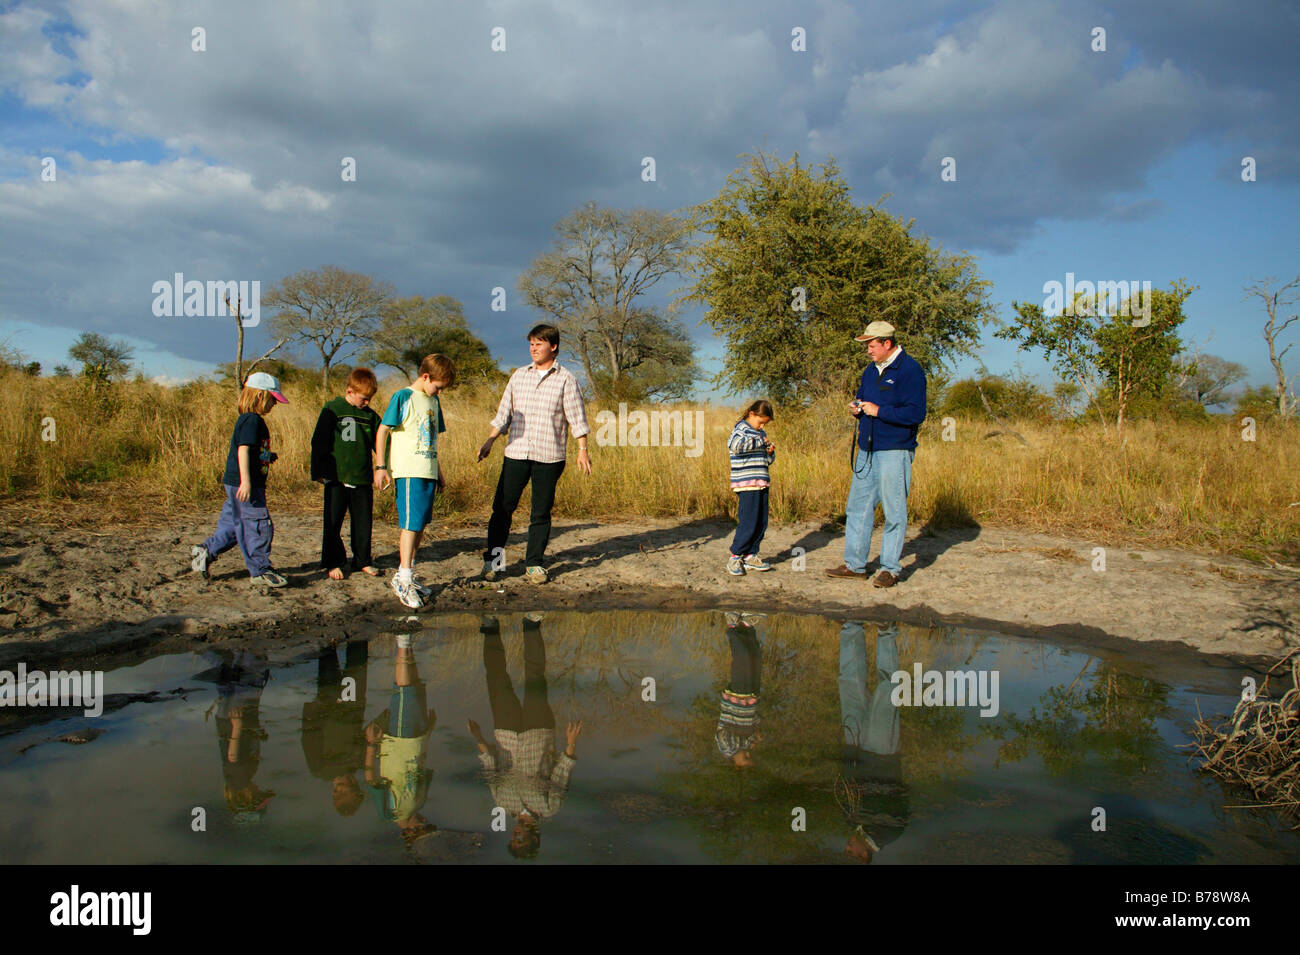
<point x="877" y="330"/>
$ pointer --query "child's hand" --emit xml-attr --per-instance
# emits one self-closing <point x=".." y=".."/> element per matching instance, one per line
<point x="245" y="491"/>
<point x="382" y="480"/>
<point x="770" y="445"/>
<point x="571" y="733"/>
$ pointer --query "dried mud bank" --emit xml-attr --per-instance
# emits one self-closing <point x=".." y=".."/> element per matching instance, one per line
<point x="70" y="593"/>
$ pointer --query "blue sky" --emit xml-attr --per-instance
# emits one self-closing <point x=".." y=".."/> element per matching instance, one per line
<point x="224" y="164"/>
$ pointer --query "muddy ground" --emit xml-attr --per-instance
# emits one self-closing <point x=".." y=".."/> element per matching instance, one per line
<point x="77" y="593"/>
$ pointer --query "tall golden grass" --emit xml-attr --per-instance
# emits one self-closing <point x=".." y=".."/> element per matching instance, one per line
<point x="140" y="450"/>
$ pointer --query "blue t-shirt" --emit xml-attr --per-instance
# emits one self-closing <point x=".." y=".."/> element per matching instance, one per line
<point x="250" y="430"/>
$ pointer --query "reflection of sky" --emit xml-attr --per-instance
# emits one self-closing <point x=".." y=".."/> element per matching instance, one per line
<point x="158" y="761"/>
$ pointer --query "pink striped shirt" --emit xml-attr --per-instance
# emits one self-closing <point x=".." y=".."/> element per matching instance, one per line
<point x="540" y="408"/>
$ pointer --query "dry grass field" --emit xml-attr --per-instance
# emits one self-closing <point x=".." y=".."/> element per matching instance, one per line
<point x="140" y="451"/>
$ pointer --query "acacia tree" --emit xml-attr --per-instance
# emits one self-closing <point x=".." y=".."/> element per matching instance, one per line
<point x="101" y="359"/>
<point x="410" y="328"/>
<point x="1288" y="294"/>
<point x="1108" y="355"/>
<point x="332" y="309"/>
<point x="591" y="284"/>
<point x="792" y="271"/>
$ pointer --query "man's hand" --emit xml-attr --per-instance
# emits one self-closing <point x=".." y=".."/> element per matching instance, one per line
<point x="382" y="480"/>
<point x="245" y="491"/>
<point x="855" y="407"/>
<point x="870" y="408"/>
<point x="584" y="461"/>
<point x="486" y="449"/>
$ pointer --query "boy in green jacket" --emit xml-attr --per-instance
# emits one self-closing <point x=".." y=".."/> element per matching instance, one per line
<point x="343" y="459"/>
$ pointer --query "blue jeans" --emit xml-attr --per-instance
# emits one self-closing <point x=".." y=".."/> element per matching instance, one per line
<point x="751" y="522"/>
<point x="871" y="725"/>
<point x="247" y="524"/>
<point x="879" y="477"/>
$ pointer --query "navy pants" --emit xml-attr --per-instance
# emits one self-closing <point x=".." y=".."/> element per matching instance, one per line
<point x="247" y="524"/>
<point x="751" y="511"/>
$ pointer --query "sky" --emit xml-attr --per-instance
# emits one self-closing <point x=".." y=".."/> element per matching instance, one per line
<point x="224" y="163"/>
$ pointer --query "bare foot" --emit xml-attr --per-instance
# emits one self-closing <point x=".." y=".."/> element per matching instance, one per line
<point x="336" y="573"/>
<point x="372" y="571"/>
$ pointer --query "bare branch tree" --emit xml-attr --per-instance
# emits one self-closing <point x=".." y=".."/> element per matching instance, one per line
<point x="1275" y="301"/>
<point x="331" y="308"/>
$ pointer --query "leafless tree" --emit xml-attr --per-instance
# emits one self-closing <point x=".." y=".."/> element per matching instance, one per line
<point x="1275" y="302"/>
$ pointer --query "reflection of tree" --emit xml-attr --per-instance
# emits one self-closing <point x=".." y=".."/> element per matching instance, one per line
<point x="1110" y="719"/>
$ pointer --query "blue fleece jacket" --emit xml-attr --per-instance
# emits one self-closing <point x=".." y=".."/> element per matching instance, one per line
<point x="900" y="393"/>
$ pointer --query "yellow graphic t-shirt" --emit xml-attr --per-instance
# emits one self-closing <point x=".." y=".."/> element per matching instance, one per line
<point x="416" y="422"/>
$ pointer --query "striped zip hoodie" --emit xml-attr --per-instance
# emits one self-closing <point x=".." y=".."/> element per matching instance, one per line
<point x="749" y="458"/>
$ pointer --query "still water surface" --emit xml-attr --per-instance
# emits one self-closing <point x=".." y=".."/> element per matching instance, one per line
<point x="702" y="740"/>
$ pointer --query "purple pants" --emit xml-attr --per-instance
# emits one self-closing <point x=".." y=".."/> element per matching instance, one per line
<point x="247" y="524"/>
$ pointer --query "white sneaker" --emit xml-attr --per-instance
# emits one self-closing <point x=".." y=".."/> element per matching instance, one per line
<point x="423" y="589"/>
<point x="407" y="593"/>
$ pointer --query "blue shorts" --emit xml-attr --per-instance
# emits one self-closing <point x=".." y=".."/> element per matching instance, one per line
<point x="414" y="502"/>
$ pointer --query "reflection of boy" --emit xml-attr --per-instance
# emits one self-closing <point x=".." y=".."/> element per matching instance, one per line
<point x="872" y="764"/>
<point x="738" y="731"/>
<point x="333" y="738"/>
<point x="395" y="748"/>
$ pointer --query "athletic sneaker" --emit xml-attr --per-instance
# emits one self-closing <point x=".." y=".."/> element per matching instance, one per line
<point x="406" y="593"/>
<point x="535" y="574"/>
<point x="754" y="562"/>
<point x="733" y="618"/>
<point x="423" y="589"/>
<point x="750" y="619"/>
<point x="488" y="572"/>
<point x="269" y="579"/>
<point x="199" y="563"/>
<point x="736" y="566"/>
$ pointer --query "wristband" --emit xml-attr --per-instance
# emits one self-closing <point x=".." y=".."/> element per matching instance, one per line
<point x="381" y="467"/>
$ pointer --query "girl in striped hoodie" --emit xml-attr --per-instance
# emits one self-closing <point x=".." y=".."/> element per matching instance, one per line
<point x="751" y="454"/>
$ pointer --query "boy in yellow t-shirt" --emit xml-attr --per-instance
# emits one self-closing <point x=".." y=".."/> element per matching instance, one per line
<point x="414" y="419"/>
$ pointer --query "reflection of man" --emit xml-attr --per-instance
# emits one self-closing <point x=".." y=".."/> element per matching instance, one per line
<point x="878" y="803"/>
<point x="525" y="775"/>
<point x="396" y="744"/>
<point x="333" y="739"/>
<point x="737" y="732"/>
<point x="889" y="406"/>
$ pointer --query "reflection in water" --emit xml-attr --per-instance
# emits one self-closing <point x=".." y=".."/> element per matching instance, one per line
<point x="396" y="744"/>
<point x="834" y="761"/>
<point x="873" y="796"/>
<point x="525" y="775"/>
<point x="737" y="731"/>
<point x="240" y="678"/>
<point x="1110" y="719"/>
<point x="333" y="734"/>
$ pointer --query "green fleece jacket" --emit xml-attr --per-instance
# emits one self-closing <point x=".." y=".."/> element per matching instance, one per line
<point x="343" y="443"/>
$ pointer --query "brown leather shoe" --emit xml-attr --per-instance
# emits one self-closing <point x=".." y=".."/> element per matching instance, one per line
<point x="843" y="571"/>
<point x="884" y="579"/>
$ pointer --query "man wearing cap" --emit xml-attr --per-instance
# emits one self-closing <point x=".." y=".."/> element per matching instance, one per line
<point x="889" y="406"/>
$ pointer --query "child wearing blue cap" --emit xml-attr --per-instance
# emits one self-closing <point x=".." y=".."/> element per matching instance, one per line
<point x="244" y="519"/>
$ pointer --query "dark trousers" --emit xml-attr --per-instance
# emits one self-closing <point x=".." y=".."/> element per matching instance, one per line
<point x="746" y="659"/>
<point x="751" y="512"/>
<point x="507" y="711"/>
<point x="510" y="487"/>
<point x="357" y="502"/>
